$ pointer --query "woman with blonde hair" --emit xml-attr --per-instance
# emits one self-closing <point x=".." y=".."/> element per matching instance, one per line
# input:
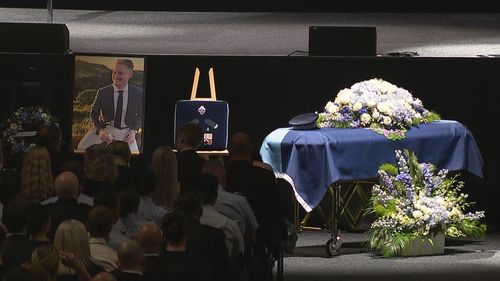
<point x="37" y="182"/>
<point x="164" y="166"/>
<point x="71" y="237"/>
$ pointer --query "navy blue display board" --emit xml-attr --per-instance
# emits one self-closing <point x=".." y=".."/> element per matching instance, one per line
<point x="211" y="116"/>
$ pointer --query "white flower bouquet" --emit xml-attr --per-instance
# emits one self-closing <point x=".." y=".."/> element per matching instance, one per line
<point x="378" y="105"/>
<point x="414" y="200"/>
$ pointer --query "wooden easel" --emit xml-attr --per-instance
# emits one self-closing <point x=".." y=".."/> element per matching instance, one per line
<point x="213" y="97"/>
<point x="211" y="80"/>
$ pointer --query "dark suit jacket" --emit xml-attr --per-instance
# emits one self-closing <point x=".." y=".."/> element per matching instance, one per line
<point x="188" y="168"/>
<point x="104" y="104"/>
<point x="153" y="268"/>
<point x="65" y="209"/>
<point x="209" y="243"/>
<point x="15" y="250"/>
<point x="259" y="186"/>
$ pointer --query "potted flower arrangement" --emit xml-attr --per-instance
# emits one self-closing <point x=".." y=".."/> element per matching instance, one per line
<point x="378" y="105"/>
<point x="417" y="205"/>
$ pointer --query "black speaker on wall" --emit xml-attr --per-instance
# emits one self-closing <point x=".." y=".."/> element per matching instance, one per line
<point x="342" y="41"/>
<point x="34" y="38"/>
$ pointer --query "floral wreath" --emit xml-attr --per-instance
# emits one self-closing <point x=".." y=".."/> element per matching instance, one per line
<point x="376" y="104"/>
<point x="23" y="123"/>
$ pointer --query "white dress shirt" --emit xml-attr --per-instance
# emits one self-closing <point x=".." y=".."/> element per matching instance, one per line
<point x="104" y="255"/>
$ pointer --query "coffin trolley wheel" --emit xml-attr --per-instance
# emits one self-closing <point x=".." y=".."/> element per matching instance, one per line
<point x="332" y="246"/>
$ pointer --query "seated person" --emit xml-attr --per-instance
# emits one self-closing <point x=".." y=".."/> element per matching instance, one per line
<point x="128" y="222"/>
<point x="148" y="210"/>
<point x="99" y="224"/>
<point x="188" y="162"/>
<point x="66" y="207"/>
<point x="234" y="239"/>
<point x="131" y="260"/>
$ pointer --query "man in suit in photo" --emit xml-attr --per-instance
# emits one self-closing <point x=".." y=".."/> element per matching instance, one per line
<point x="117" y="109"/>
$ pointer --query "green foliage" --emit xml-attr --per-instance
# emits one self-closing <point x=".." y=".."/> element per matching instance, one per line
<point x="472" y="228"/>
<point x="433" y="116"/>
<point x="390" y="244"/>
<point x="414" y="167"/>
<point x="389" y="168"/>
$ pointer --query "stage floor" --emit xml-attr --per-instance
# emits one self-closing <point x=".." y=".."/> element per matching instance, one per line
<point x="132" y="32"/>
<point x="461" y="261"/>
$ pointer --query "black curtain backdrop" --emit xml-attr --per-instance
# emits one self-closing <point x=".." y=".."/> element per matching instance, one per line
<point x="38" y="79"/>
<point x="264" y="92"/>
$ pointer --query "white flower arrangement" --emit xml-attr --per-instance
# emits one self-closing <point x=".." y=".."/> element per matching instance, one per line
<point x="23" y="123"/>
<point x="413" y="200"/>
<point x="378" y="105"/>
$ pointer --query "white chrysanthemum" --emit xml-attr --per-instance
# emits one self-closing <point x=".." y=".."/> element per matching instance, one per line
<point x="371" y="103"/>
<point x="331" y="107"/>
<point x="365" y="118"/>
<point x="417" y="214"/>
<point x="357" y="106"/>
<point x="417" y="116"/>
<point x="384" y="108"/>
<point x="387" y="88"/>
<point x="375" y="114"/>
<point x="344" y="96"/>
<point x="387" y="120"/>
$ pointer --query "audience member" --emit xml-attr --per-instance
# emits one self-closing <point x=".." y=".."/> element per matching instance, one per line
<point x="109" y="199"/>
<point x="131" y="259"/>
<point x="125" y="175"/>
<point x="48" y="257"/>
<point x="179" y="263"/>
<point x="37" y="271"/>
<point x="16" y="248"/>
<point x="101" y="174"/>
<point x="76" y="168"/>
<point x="258" y="185"/>
<point x="18" y="273"/>
<point x="66" y="207"/>
<point x="37" y="182"/>
<point x="234" y="239"/>
<point x="91" y="154"/>
<point x="232" y="205"/>
<point x="71" y="239"/>
<point x="165" y="169"/>
<point x="189" y="163"/>
<point x="50" y="137"/>
<point x="150" y="238"/>
<point x="38" y="225"/>
<point x="128" y="222"/>
<point x="10" y="183"/>
<point x="148" y="210"/>
<point x="215" y="252"/>
<point x="99" y="223"/>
